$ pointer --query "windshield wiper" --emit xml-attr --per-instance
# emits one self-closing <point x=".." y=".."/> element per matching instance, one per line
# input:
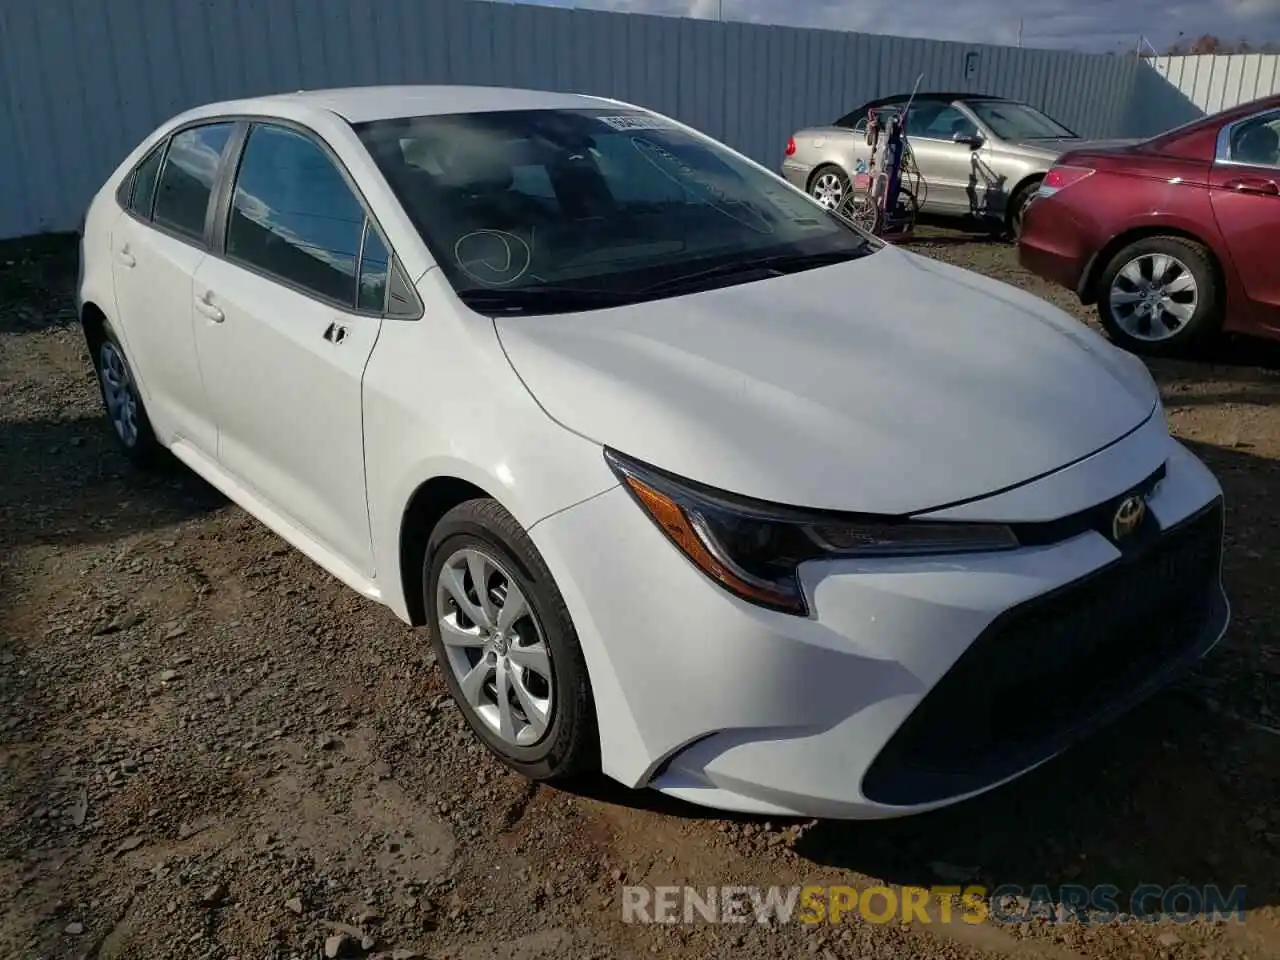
<point x="545" y="299"/>
<point x="776" y="266"/>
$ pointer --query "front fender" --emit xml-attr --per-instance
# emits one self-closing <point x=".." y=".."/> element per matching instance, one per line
<point x="441" y="400"/>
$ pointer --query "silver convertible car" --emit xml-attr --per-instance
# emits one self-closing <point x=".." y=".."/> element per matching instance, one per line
<point x="973" y="155"/>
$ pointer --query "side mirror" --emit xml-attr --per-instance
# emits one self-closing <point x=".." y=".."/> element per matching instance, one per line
<point x="971" y="139"/>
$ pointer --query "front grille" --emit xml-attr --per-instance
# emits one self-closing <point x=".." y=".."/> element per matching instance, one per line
<point x="1061" y="664"/>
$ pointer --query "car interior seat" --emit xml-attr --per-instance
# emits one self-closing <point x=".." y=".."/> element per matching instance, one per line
<point x="1258" y="144"/>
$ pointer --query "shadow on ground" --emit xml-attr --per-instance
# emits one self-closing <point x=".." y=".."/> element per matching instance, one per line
<point x="66" y="483"/>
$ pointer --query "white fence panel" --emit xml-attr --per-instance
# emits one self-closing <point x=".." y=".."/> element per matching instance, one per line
<point x="85" y="80"/>
<point x="1214" y="83"/>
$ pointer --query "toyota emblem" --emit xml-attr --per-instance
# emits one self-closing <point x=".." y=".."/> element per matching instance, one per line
<point x="1128" y="517"/>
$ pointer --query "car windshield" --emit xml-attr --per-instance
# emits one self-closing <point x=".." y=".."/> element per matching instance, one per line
<point x="539" y="211"/>
<point x="1017" y="121"/>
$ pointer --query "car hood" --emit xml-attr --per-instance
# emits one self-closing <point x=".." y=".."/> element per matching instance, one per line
<point x="1055" y="148"/>
<point x="891" y="384"/>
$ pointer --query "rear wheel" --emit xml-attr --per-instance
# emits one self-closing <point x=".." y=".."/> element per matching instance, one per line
<point x="829" y="185"/>
<point x="121" y="399"/>
<point x="1160" y="296"/>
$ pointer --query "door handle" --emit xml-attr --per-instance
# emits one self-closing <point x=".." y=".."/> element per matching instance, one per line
<point x="125" y="257"/>
<point x="209" y="310"/>
<point x="1253" y="185"/>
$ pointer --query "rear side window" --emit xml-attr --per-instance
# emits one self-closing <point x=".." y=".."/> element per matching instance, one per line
<point x="294" y="217"/>
<point x="144" y="183"/>
<point x="186" y="180"/>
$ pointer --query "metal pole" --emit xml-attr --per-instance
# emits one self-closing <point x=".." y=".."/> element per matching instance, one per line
<point x="1020" y="33"/>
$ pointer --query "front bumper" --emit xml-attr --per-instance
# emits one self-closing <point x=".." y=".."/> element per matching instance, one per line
<point x="917" y="682"/>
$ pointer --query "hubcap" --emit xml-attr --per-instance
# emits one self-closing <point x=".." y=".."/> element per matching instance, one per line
<point x="117" y="389"/>
<point x="1153" y="297"/>
<point x="828" y="190"/>
<point x="495" y="646"/>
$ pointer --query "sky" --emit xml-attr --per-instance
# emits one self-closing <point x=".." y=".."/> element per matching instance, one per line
<point x="1086" y="25"/>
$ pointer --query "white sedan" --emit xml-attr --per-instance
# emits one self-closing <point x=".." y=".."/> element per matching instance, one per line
<point x="688" y="480"/>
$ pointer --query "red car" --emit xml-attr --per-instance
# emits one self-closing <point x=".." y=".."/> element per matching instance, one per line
<point x="1174" y="238"/>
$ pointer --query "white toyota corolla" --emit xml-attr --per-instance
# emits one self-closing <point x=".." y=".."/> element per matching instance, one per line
<point x="689" y="480"/>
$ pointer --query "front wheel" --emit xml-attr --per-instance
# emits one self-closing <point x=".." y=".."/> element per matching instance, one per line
<point x="1018" y="204"/>
<point x="503" y="637"/>
<point x="1160" y="296"/>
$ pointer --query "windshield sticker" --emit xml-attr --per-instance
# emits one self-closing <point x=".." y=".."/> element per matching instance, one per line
<point x="638" y="121"/>
<point x="701" y="186"/>
<point x="797" y="209"/>
<point x="493" y="258"/>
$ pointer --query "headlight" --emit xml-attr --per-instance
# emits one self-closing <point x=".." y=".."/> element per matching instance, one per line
<point x="754" y="549"/>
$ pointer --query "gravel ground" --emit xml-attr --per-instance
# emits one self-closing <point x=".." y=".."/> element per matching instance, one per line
<point x="211" y="749"/>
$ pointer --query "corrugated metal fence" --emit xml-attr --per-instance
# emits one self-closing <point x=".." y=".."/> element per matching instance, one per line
<point x="1214" y="83"/>
<point x="85" y="80"/>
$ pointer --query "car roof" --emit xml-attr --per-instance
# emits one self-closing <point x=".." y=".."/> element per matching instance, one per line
<point x="932" y="95"/>
<point x="361" y="104"/>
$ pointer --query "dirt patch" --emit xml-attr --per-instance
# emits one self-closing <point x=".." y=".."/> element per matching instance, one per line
<point x="209" y="748"/>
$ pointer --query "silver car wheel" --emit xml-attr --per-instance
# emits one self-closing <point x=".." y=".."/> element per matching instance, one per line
<point x="1153" y="297"/>
<point x="118" y="391"/>
<point x="828" y="190"/>
<point x="496" y="648"/>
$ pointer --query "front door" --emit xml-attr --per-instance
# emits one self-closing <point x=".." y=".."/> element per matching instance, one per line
<point x="1245" y="190"/>
<point x="953" y="174"/>
<point x="284" y="337"/>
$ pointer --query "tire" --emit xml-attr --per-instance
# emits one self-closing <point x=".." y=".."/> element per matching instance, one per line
<point x="121" y="400"/>
<point x="827" y="179"/>
<point x="1017" y="207"/>
<point x="568" y="743"/>
<point x="1190" y="283"/>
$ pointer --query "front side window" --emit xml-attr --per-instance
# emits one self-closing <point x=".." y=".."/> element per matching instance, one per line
<point x="937" y="121"/>
<point x="1017" y="121"/>
<point x="186" y="180"/>
<point x="293" y="215"/>
<point x="921" y="116"/>
<point x="375" y="264"/>
<point x="622" y="205"/>
<point x="1255" y="141"/>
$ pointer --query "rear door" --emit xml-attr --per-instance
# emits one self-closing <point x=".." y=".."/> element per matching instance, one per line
<point x="289" y="307"/>
<point x="156" y="249"/>
<point x="1245" y="192"/>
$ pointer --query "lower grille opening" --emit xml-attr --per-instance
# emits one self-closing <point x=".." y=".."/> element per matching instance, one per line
<point x="1052" y="669"/>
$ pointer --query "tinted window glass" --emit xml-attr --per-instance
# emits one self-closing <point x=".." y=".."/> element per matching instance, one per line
<point x="921" y="116"/>
<point x="144" y="183"/>
<point x="615" y="201"/>
<point x="1256" y="141"/>
<point x="186" y="182"/>
<point x="293" y="215"/>
<point x="373" y="272"/>
<point x="942" y="125"/>
<point x="1017" y="121"/>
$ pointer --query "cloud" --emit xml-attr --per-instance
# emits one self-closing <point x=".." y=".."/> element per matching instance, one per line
<point x="1097" y="25"/>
